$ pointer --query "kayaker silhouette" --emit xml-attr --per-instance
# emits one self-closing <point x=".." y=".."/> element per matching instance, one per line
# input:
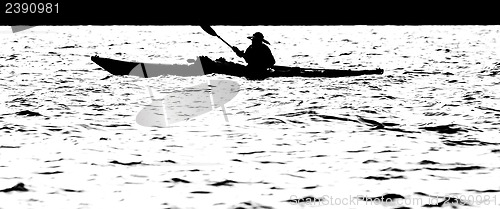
<point x="258" y="55"/>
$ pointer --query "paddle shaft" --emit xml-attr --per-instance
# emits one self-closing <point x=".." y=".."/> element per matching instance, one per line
<point x="212" y="32"/>
<point x="224" y="41"/>
<point x="149" y="88"/>
<point x="144" y="70"/>
<point x="146" y="76"/>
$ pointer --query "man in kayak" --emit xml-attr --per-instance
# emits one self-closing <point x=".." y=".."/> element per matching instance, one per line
<point x="258" y="55"/>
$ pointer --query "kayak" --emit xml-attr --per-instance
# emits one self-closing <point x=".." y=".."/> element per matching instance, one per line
<point x="204" y="65"/>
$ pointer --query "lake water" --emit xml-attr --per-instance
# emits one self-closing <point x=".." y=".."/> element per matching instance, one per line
<point x="68" y="131"/>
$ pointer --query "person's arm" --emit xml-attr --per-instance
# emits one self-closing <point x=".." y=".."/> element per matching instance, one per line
<point x="238" y="51"/>
<point x="249" y="55"/>
<point x="273" y="61"/>
<point x="270" y="58"/>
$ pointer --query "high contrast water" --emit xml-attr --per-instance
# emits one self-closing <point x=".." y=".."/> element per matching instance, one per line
<point x="428" y="128"/>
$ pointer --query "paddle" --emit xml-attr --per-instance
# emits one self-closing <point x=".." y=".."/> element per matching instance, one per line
<point x="212" y="32"/>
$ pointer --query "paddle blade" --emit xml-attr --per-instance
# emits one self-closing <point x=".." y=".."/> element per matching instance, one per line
<point x="152" y="115"/>
<point x="209" y="30"/>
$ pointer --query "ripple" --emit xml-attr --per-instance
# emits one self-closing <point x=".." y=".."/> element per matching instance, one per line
<point x="17" y="188"/>
<point x="448" y="129"/>
<point x="201" y="192"/>
<point x="126" y="164"/>
<point x="178" y="180"/>
<point x="50" y="172"/>
<point x="468" y="142"/>
<point x="250" y="153"/>
<point x="28" y="113"/>
<point x="385" y="177"/>
<point x="250" y="205"/>
<point x="224" y="183"/>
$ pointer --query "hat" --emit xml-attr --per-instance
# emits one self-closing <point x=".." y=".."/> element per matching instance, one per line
<point x="258" y="36"/>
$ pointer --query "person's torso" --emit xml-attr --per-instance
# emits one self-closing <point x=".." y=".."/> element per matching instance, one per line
<point x="258" y="55"/>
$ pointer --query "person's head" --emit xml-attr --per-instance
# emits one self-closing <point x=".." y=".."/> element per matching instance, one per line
<point x="258" y="38"/>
